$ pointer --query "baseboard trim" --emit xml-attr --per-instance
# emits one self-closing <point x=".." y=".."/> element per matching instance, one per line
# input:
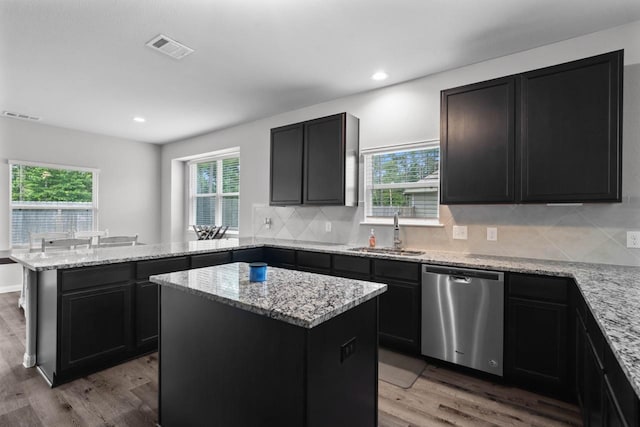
<point x="7" y="289"/>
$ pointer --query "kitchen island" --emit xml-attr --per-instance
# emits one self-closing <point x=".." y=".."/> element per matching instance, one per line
<point x="299" y="349"/>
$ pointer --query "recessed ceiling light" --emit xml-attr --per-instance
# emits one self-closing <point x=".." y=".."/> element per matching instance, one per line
<point x="380" y="75"/>
<point x="139" y="119"/>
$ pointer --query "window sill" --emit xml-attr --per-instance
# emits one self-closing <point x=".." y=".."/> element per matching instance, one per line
<point x="403" y="223"/>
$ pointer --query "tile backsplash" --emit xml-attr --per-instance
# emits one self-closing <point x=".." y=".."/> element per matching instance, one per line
<point x="589" y="233"/>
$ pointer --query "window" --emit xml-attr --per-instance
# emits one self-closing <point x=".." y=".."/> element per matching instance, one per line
<point x="50" y="198"/>
<point x="215" y="191"/>
<point x="403" y="179"/>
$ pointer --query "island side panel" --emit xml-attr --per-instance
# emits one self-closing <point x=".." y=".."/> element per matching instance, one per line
<point x="343" y="369"/>
<point x="223" y="366"/>
<point x="47" y="324"/>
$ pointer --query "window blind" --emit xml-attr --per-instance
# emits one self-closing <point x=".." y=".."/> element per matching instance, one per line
<point x="215" y="191"/>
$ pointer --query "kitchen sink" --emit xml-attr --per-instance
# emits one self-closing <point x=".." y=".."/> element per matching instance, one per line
<point x="387" y="251"/>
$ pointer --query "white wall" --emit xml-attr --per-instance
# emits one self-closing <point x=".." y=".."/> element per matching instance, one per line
<point x="411" y="112"/>
<point x="128" y="193"/>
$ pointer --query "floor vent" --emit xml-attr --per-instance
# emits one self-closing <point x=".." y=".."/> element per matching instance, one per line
<point x="164" y="44"/>
<point x="20" y="116"/>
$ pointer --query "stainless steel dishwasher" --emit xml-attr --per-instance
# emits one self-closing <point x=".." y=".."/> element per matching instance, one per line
<point x="463" y="316"/>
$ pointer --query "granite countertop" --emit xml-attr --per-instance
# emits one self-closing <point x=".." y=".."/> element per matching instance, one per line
<point x="302" y="299"/>
<point x="39" y="261"/>
<point x="612" y="292"/>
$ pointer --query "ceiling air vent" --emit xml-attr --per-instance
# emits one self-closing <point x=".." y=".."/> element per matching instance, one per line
<point x="20" y="116"/>
<point x="170" y="47"/>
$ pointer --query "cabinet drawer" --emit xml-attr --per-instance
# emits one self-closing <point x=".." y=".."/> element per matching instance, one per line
<point x="85" y="277"/>
<point x="539" y="288"/>
<point x="408" y="272"/>
<point x="205" y="260"/>
<point x="314" y="261"/>
<point x="352" y="266"/>
<point x="280" y="257"/>
<point x="247" y="255"/>
<point x="160" y="266"/>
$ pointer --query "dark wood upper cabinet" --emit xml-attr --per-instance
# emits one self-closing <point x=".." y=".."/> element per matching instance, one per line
<point x="551" y="135"/>
<point x="570" y="131"/>
<point x="324" y="154"/>
<point x="315" y="162"/>
<point x="286" y="165"/>
<point x="478" y="141"/>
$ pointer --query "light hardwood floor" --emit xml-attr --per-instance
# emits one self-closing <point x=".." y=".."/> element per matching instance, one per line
<point x="126" y="395"/>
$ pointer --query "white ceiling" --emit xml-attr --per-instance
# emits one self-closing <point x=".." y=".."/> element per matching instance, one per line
<point x="83" y="64"/>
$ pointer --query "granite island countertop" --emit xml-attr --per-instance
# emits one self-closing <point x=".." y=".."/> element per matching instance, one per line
<point x="612" y="292"/>
<point x="302" y="299"/>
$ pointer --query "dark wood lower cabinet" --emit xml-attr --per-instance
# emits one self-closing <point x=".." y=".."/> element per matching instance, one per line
<point x="539" y="334"/>
<point x="314" y="262"/>
<point x="399" y="321"/>
<point x="97" y="324"/>
<point x="593" y="382"/>
<point x="536" y="351"/>
<point x="355" y="267"/>
<point x="247" y="255"/>
<point x="147" y="315"/>
<point x="278" y="257"/>
<point x="612" y="416"/>
<point x="603" y="391"/>
<point x="90" y="318"/>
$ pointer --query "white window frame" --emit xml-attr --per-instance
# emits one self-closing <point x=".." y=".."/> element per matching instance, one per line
<point x="17" y="205"/>
<point x="192" y="196"/>
<point x="367" y="155"/>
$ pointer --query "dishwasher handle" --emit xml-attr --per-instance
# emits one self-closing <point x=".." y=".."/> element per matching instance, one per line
<point x="460" y="279"/>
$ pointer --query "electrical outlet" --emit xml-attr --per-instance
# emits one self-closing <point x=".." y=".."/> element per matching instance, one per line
<point x="460" y="232"/>
<point x="327" y="227"/>
<point x="347" y="349"/>
<point x="633" y="239"/>
<point x="267" y="223"/>
<point x="492" y="233"/>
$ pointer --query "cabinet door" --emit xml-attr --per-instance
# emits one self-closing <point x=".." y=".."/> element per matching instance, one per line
<point x="537" y="344"/>
<point x="593" y="399"/>
<point x="477" y="140"/>
<point x="581" y="340"/>
<point x="146" y="315"/>
<point x="285" y="186"/>
<point x="613" y="416"/>
<point x="96" y="325"/>
<point x="570" y="134"/>
<point x="399" y="317"/>
<point x="324" y="151"/>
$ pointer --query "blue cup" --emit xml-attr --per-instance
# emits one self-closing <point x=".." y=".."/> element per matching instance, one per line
<point x="257" y="271"/>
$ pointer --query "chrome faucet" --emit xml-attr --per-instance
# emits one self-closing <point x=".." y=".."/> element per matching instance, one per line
<point x="397" y="243"/>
